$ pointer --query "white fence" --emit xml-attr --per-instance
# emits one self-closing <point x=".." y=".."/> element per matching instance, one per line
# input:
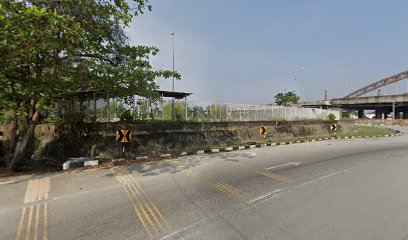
<point x="244" y="112"/>
<point x="205" y="111"/>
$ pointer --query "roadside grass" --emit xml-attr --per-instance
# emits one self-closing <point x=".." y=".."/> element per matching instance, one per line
<point x="369" y="131"/>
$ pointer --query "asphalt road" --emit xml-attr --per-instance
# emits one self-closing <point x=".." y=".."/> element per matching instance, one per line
<point x="337" y="189"/>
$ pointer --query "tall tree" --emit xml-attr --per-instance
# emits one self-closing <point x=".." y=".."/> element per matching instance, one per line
<point x="49" y="48"/>
<point x="287" y="99"/>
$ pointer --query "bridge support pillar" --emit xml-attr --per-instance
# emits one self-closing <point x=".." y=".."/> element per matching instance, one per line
<point x="378" y="114"/>
<point x="394" y="114"/>
<point x="360" y="113"/>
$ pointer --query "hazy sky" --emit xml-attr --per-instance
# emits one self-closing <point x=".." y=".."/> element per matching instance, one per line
<point x="235" y="51"/>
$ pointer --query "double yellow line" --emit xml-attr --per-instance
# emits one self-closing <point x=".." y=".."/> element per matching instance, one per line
<point x="226" y="188"/>
<point x="37" y="190"/>
<point x="218" y="185"/>
<point x="149" y="215"/>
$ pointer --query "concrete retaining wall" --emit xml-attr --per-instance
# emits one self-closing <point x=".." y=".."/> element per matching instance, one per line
<point x="151" y="139"/>
<point x="59" y="144"/>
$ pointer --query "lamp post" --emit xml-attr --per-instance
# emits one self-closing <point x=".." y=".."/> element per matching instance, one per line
<point x="173" y="100"/>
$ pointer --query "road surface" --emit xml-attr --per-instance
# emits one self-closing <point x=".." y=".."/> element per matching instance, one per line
<point x="337" y="189"/>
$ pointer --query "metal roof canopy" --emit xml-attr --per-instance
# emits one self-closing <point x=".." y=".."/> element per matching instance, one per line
<point x="90" y="93"/>
<point x="176" y="95"/>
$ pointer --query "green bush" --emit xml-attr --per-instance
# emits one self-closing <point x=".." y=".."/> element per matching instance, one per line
<point x="126" y="116"/>
<point x="345" y="115"/>
<point x="332" y="117"/>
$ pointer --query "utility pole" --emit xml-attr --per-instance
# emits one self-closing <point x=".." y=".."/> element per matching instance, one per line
<point x="172" y="102"/>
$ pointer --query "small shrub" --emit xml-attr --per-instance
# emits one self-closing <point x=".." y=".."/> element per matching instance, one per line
<point x="345" y="115"/>
<point x="332" y="117"/>
<point x="126" y="116"/>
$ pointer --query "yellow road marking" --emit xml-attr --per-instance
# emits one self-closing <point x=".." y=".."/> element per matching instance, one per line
<point x="37" y="221"/>
<point x="147" y="212"/>
<point x="137" y="211"/>
<point x="37" y="190"/>
<point x="147" y="206"/>
<point x="33" y="218"/>
<point x="226" y="188"/>
<point x="141" y="207"/>
<point x="30" y="217"/>
<point x="45" y="228"/>
<point x="154" y="206"/>
<point x="20" y="224"/>
<point x="47" y="188"/>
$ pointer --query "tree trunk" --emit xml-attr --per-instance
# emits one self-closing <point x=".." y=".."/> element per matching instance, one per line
<point x="22" y="147"/>
<point x="14" y="129"/>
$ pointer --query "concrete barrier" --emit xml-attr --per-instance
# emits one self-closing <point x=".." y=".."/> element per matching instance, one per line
<point x="80" y="162"/>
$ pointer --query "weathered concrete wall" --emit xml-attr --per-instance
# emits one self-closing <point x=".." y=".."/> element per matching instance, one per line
<point x="172" y="137"/>
<point x="58" y="144"/>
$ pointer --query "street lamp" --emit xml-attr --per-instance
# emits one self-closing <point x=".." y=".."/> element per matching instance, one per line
<point x="172" y="102"/>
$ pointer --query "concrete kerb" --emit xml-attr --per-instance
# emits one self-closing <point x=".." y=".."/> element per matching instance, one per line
<point x="227" y="149"/>
<point x="94" y="161"/>
<point x="81" y="162"/>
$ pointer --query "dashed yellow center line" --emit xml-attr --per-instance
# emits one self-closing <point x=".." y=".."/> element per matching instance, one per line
<point x="147" y="212"/>
<point x="37" y="190"/>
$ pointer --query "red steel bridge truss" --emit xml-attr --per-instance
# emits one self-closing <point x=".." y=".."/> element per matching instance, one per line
<point x="383" y="82"/>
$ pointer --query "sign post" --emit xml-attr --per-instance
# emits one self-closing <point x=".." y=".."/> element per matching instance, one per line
<point x="123" y="136"/>
<point x="262" y="132"/>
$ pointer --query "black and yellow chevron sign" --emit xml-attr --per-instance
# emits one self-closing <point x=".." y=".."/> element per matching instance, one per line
<point x="262" y="130"/>
<point x="333" y="127"/>
<point x="123" y="136"/>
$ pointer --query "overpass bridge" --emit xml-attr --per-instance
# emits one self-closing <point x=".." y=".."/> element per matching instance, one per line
<point x="396" y="105"/>
<point x="383" y="105"/>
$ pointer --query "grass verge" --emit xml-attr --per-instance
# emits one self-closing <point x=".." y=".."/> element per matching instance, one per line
<point x="361" y="131"/>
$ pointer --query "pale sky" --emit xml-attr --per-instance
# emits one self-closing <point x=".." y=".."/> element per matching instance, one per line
<point x="235" y="51"/>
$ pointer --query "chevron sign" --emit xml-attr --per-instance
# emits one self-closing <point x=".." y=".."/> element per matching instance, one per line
<point x="123" y="136"/>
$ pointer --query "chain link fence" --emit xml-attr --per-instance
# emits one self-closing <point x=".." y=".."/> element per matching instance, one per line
<point x="142" y="109"/>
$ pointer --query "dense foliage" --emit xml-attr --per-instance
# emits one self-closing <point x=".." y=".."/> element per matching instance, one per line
<point x="52" y="48"/>
<point x="287" y="99"/>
